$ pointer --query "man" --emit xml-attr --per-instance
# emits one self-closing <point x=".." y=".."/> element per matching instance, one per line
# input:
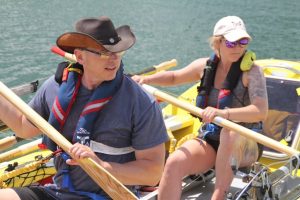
<point x="107" y="116"/>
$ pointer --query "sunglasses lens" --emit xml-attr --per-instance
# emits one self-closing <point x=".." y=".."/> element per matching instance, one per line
<point x="230" y="44"/>
<point x="244" y="41"/>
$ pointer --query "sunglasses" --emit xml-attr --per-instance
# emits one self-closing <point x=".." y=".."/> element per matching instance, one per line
<point x="105" y="54"/>
<point x="241" y="42"/>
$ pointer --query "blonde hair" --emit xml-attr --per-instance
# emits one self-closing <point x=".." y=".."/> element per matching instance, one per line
<point x="214" y="43"/>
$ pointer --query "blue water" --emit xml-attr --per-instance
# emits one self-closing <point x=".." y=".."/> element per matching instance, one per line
<point x="165" y="29"/>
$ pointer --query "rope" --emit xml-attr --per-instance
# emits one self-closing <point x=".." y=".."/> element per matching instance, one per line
<point x="7" y="178"/>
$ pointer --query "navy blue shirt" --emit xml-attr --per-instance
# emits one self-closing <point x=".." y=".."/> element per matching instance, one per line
<point x="131" y="120"/>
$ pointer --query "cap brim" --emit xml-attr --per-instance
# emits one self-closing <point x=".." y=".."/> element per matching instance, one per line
<point x="236" y="35"/>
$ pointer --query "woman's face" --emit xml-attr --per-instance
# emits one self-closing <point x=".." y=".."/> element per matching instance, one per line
<point x="232" y="51"/>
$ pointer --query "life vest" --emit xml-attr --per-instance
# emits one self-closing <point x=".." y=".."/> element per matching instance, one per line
<point x="69" y="78"/>
<point x="225" y="94"/>
<point x="67" y="93"/>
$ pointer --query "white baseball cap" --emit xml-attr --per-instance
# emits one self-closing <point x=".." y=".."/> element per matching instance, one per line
<point x="232" y="28"/>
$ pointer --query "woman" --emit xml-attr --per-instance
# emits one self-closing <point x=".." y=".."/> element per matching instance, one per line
<point x="232" y="87"/>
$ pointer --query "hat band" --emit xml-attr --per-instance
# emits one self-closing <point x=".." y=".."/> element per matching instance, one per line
<point x="111" y="40"/>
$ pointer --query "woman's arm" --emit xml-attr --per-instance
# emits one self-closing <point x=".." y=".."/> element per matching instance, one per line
<point x="191" y="73"/>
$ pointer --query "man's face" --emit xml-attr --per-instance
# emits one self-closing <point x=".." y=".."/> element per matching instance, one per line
<point x="102" y="66"/>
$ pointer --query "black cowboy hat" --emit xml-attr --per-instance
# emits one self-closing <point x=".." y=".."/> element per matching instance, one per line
<point x="97" y="33"/>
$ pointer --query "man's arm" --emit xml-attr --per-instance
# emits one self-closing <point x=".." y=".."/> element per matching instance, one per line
<point x="145" y="170"/>
<point x="14" y="119"/>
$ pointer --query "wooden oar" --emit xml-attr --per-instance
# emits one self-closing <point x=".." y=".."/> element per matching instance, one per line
<point x="20" y="150"/>
<point x="24" y="89"/>
<point x="156" y="68"/>
<point x="20" y="90"/>
<point x="223" y="122"/>
<point x="8" y="142"/>
<point x="150" y="70"/>
<point x="102" y="177"/>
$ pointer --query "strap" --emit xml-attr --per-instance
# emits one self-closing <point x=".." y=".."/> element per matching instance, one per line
<point x="105" y="149"/>
<point x="67" y="183"/>
<point x="207" y="81"/>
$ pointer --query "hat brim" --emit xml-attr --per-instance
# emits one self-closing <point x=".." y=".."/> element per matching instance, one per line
<point x="236" y="35"/>
<point x="127" y="40"/>
<point x="71" y="40"/>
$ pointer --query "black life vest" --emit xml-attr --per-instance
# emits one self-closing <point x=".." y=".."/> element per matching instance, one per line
<point x="226" y="92"/>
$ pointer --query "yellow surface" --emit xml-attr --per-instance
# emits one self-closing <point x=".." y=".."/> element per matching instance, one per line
<point x="280" y="68"/>
<point x="18" y="177"/>
<point x="189" y="124"/>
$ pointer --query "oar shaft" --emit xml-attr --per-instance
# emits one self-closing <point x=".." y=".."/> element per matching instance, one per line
<point x="20" y="150"/>
<point x="223" y="122"/>
<point x="156" y="68"/>
<point x="102" y="177"/>
<point x="68" y="56"/>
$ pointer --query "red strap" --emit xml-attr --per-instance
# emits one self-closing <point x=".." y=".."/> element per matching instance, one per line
<point x="65" y="74"/>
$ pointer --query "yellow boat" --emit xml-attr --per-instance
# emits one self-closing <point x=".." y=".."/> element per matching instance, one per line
<point x="26" y="165"/>
<point x="282" y="124"/>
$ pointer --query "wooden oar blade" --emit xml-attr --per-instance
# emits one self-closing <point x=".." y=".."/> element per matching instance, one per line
<point x="94" y="170"/>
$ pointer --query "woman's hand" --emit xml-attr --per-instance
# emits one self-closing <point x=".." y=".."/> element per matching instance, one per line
<point x="209" y="113"/>
<point x="139" y="79"/>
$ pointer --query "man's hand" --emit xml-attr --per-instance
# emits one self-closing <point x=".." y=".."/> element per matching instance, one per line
<point x="79" y="151"/>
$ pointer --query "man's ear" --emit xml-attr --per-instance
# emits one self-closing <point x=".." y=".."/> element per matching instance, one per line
<point x="79" y="55"/>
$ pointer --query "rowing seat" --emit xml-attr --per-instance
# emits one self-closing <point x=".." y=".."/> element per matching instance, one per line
<point x="282" y="122"/>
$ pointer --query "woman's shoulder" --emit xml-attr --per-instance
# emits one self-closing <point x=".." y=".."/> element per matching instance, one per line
<point x="196" y="68"/>
<point x="255" y="71"/>
<point x="200" y="62"/>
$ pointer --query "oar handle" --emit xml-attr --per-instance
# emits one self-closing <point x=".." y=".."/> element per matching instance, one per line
<point x="269" y="142"/>
<point x="101" y="176"/>
<point x="64" y="54"/>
